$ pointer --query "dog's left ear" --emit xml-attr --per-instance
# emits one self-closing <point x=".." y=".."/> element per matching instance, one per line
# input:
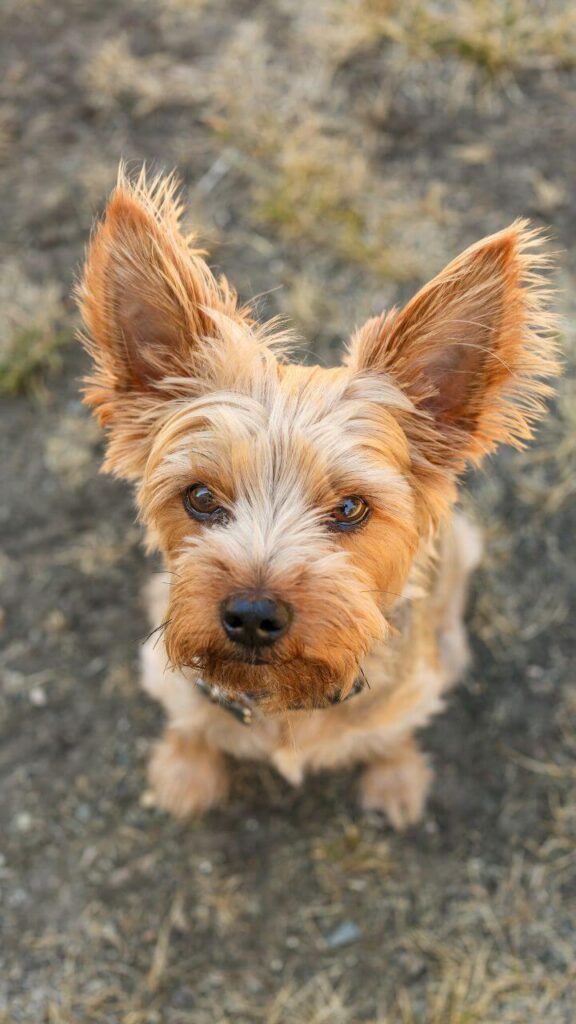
<point x="154" y="315"/>
<point x="472" y="349"/>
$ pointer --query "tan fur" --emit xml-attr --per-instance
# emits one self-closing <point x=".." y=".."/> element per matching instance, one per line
<point x="191" y="389"/>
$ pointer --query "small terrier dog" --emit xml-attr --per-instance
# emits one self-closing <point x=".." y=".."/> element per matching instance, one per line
<point x="317" y="570"/>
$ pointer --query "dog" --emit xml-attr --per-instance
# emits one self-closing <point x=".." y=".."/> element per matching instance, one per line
<point x="316" y="568"/>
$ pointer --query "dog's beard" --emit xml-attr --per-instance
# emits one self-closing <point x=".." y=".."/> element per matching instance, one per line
<point x="276" y="683"/>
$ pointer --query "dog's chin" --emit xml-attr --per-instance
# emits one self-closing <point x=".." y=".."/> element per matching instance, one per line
<point x="275" y="685"/>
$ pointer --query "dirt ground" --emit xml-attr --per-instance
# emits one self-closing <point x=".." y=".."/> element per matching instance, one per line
<point x="334" y="155"/>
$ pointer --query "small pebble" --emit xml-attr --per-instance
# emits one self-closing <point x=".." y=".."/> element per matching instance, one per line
<point x="38" y="697"/>
<point x="83" y="812"/>
<point x="357" y="884"/>
<point x="23" y="821"/>
<point x="344" y="934"/>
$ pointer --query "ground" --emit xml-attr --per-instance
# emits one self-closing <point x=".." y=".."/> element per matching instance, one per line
<point x="334" y="155"/>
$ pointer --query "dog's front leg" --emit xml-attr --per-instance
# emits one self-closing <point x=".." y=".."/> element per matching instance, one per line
<point x="186" y="774"/>
<point x="397" y="784"/>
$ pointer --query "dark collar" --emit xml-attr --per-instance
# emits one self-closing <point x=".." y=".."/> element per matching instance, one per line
<point x="241" y="709"/>
<point x="244" y="710"/>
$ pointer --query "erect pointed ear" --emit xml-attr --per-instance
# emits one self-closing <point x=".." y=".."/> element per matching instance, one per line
<point x="148" y="302"/>
<point x="472" y="349"/>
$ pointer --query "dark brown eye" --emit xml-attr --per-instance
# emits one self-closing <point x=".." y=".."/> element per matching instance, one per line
<point x="200" y="503"/>
<point x="349" y="512"/>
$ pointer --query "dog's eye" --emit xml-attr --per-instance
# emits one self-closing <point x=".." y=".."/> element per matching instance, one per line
<point x="350" y="512"/>
<point x="200" y="503"/>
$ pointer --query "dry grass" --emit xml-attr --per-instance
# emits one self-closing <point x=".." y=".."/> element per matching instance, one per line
<point x="312" y="182"/>
<point x="31" y="331"/>
<point x="114" y="74"/>
<point x="314" y="185"/>
<point x="317" y="1002"/>
<point x="497" y="36"/>
<point x="479" y="987"/>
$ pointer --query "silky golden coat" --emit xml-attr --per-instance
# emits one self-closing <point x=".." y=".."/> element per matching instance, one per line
<point x="190" y="388"/>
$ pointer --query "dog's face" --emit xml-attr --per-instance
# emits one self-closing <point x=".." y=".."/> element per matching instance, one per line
<point x="283" y="503"/>
<point x="289" y="501"/>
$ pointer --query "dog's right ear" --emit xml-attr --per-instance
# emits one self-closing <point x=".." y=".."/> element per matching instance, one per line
<point x="150" y="306"/>
<point x="473" y="350"/>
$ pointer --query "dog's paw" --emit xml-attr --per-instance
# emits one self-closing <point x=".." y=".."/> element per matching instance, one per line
<point x="397" y="787"/>
<point x="186" y="777"/>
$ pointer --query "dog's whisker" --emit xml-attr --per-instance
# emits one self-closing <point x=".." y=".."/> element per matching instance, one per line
<point x="157" y="629"/>
<point x="364" y="677"/>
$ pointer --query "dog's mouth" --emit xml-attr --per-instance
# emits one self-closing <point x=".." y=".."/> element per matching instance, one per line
<point x="209" y="662"/>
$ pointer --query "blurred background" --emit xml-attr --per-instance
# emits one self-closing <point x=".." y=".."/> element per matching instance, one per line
<point x="333" y="155"/>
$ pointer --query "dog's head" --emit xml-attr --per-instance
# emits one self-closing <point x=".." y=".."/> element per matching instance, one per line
<point x="290" y="502"/>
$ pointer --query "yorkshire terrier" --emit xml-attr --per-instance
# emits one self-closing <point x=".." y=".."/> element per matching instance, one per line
<point x="317" y="571"/>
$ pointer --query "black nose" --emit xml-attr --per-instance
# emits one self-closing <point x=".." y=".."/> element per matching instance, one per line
<point x="255" y="620"/>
